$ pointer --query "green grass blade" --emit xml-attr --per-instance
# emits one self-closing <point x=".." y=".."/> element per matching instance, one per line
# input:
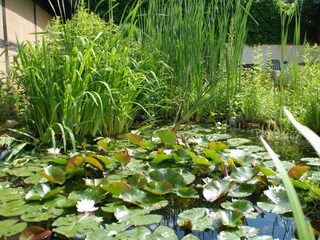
<point x="304" y="228"/>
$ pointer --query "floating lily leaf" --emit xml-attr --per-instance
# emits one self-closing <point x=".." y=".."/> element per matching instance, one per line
<point x="187" y="176"/>
<point x="34" y="179"/>
<point x="280" y="202"/>
<point x="311" y="161"/>
<point x="164" y="233"/>
<point x="251" y="148"/>
<point x="73" y="226"/>
<point x="140" y="220"/>
<point x="137" y="180"/>
<point x="241" y="190"/>
<point x="242" y="174"/>
<point x="110" y="230"/>
<point x="213" y="155"/>
<point x="9" y="194"/>
<point x="161" y="157"/>
<point x="74" y="163"/>
<point x="240" y="206"/>
<point x="314" y="177"/>
<point x="11" y="227"/>
<point x="37" y="213"/>
<point x="167" y="137"/>
<point x="195" y="219"/>
<point x="54" y="174"/>
<point x="42" y="191"/>
<point x="199" y="159"/>
<point x="266" y="171"/>
<point x="25" y="171"/>
<point x="243" y="232"/>
<point x="215" y="189"/>
<point x="35" y="233"/>
<point x="106" y="144"/>
<point x="287" y="165"/>
<point x="93" y="161"/>
<point x="187" y="192"/>
<point x="95" y="182"/>
<point x="12" y="208"/>
<point x="231" y="219"/>
<point x="190" y="237"/>
<point x="170" y="175"/>
<point x="159" y="188"/>
<point x="135" y="139"/>
<point x="297" y="171"/>
<point x="134" y="196"/>
<point x="136" y="233"/>
<point x="122" y="157"/>
<point x="219" y="136"/>
<point x="116" y="188"/>
<point x="235" y="142"/>
<point x="217" y="146"/>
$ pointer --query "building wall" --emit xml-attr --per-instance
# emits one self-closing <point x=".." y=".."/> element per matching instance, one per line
<point x="23" y="19"/>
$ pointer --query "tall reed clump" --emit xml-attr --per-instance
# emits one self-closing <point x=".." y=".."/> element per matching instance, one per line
<point x="203" y="41"/>
<point x="86" y="77"/>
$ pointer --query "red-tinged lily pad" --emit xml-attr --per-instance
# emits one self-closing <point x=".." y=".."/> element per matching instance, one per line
<point x="297" y="171"/>
<point x="159" y="188"/>
<point x="54" y="174"/>
<point x="215" y="157"/>
<point x="122" y="157"/>
<point x="116" y="188"/>
<point x="11" y="227"/>
<point x="35" y="233"/>
<point x="217" y="146"/>
<point x="167" y="137"/>
<point x="74" y="163"/>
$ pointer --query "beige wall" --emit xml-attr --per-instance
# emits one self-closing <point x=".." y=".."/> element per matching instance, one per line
<point x="21" y="24"/>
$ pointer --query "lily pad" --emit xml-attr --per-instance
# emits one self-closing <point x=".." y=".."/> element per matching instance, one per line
<point x="164" y="233"/>
<point x="243" y="232"/>
<point x="196" y="219"/>
<point x="54" y="174"/>
<point x="241" y="206"/>
<point x="35" y="233"/>
<point x="297" y="171"/>
<point x="215" y="189"/>
<point x="187" y="192"/>
<point x="242" y="174"/>
<point x="241" y="190"/>
<point x="170" y="175"/>
<point x="231" y="219"/>
<point x="12" y="208"/>
<point x="140" y="232"/>
<point x="159" y="188"/>
<point x="235" y="142"/>
<point x="11" y="227"/>
<point x="311" y="161"/>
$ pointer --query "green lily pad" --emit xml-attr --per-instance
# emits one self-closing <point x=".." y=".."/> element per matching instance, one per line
<point x="241" y="190"/>
<point x="187" y="192"/>
<point x="242" y="174"/>
<point x="12" y="208"/>
<point x="219" y="136"/>
<point x="140" y="232"/>
<point x="213" y="155"/>
<point x="231" y="219"/>
<point x="215" y="189"/>
<point x="217" y="146"/>
<point x="196" y="219"/>
<point x="235" y="142"/>
<point x="159" y="188"/>
<point x="116" y="188"/>
<point x="190" y="237"/>
<point x="243" y="232"/>
<point x="11" y="227"/>
<point x="38" y="213"/>
<point x="140" y="220"/>
<point x="167" y="137"/>
<point x="54" y="174"/>
<point x="279" y="201"/>
<point x="311" y="161"/>
<point x="42" y="191"/>
<point x="164" y="233"/>
<point x="170" y="175"/>
<point x="110" y="230"/>
<point x="9" y="194"/>
<point x="76" y="226"/>
<point x="199" y="159"/>
<point x="241" y="206"/>
<point x="161" y="157"/>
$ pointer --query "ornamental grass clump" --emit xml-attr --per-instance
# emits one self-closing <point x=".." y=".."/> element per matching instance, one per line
<point x="86" y="77"/>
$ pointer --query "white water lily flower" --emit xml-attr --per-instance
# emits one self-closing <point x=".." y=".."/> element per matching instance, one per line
<point x="53" y="151"/>
<point x="86" y="206"/>
<point x="167" y="151"/>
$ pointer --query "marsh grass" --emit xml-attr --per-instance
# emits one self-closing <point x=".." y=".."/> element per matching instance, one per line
<point x="203" y="41"/>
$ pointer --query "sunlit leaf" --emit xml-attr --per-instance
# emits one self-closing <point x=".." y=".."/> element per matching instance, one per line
<point x="54" y="174"/>
<point x="210" y="153"/>
<point x="34" y="213"/>
<point x="231" y="219"/>
<point x="93" y="161"/>
<point x="297" y="171"/>
<point x="190" y="237"/>
<point x="8" y="194"/>
<point x="170" y="175"/>
<point x="35" y="233"/>
<point x="74" y="163"/>
<point x="12" y="208"/>
<point x="217" y="146"/>
<point x="95" y="182"/>
<point x="164" y="233"/>
<point x="167" y="137"/>
<point x="140" y="220"/>
<point x="187" y="192"/>
<point x="311" y="161"/>
<point x="235" y="142"/>
<point x="161" y="157"/>
<point x="42" y="191"/>
<point x="159" y="188"/>
<point x="243" y="232"/>
<point x="116" y="188"/>
<point x="199" y="159"/>
<point x="122" y="157"/>
<point x="241" y="190"/>
<point x="215" y="189"/>
<point x="135" y="233"/>
<point x="242" y="174"/>
<point x="195" y="219"/>
<point x="11" y="227"/>
<point x="106" y="144"/>
<point x="135" y="139"/>
<point x="79" y="226"/>
<point x="241" y="206"/>
<point x="266" y="171"/>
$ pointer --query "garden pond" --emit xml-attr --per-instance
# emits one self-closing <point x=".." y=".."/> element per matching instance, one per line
<point x="198" y="183"/>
